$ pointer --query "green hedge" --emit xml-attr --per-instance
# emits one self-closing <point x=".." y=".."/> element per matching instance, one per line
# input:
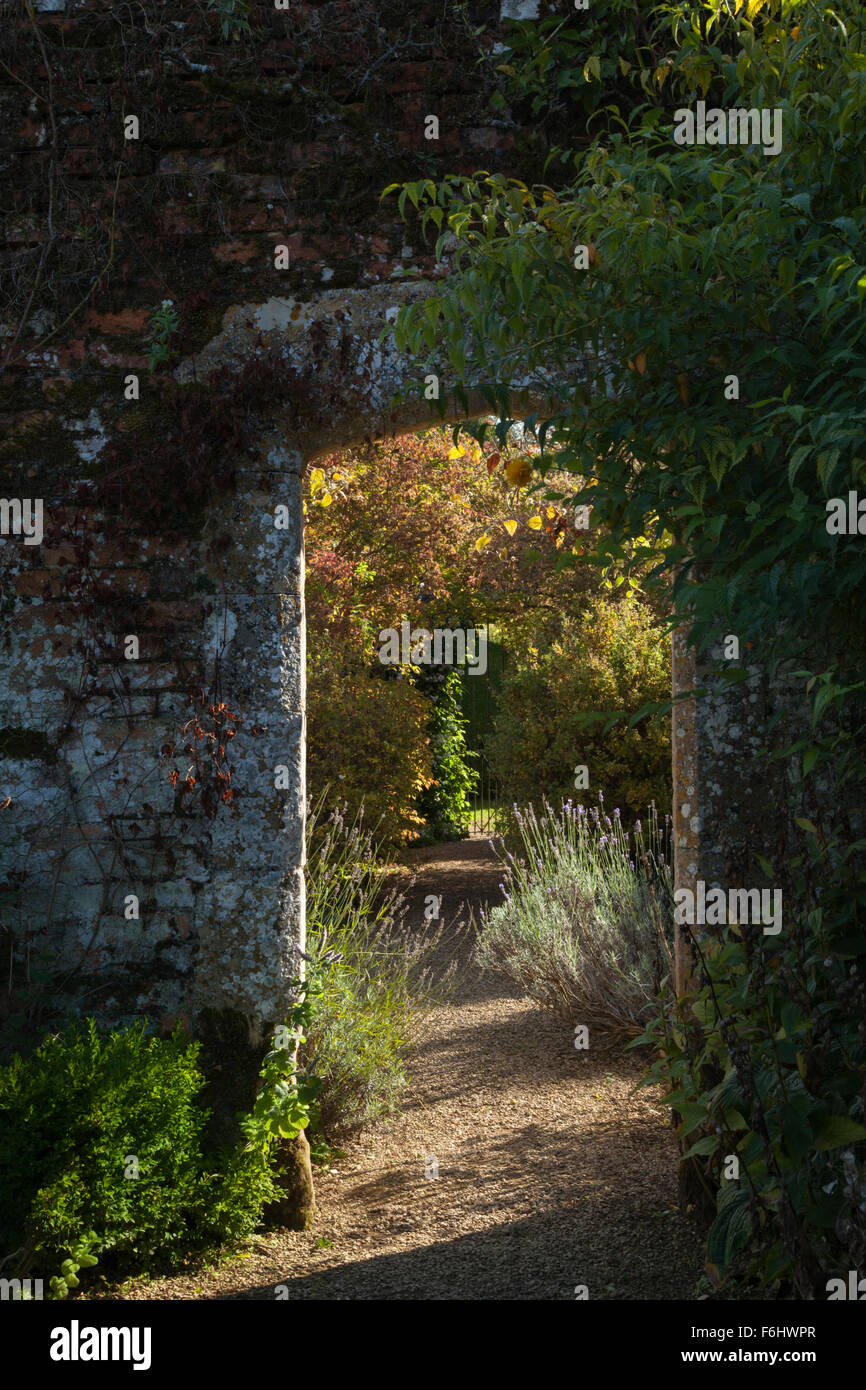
<point x="82" y="1114"/>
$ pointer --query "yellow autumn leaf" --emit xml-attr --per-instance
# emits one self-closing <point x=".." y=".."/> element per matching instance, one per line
<point x="534" y="523"/>
<point x="518" y="471"/>
<point x="481" y="542"/>
<point x="456" y="453"/>
<point x="551" y="513"/>
<point x="703" y="77"/>
<point x="510" y="526"/>
<point x="325" y="500"/>
<point x="317" y="480"/>
<point x="661" y="73"/>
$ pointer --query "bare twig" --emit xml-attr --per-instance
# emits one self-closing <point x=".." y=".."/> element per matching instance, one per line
<point x="94" y="282"/>
<point x="177" y="56"/>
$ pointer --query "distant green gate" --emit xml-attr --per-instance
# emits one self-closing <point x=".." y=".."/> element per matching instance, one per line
<point x="481" y="693"/>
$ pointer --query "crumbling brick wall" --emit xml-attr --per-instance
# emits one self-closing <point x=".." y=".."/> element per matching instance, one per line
<point x="152" y="663"/>
<point x="148" y="157"/>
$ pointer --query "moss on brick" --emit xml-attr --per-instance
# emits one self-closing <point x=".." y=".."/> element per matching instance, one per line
<point x="44" y="439"/>
<point x="16" y="742"/>
<point x="282" y="93"/>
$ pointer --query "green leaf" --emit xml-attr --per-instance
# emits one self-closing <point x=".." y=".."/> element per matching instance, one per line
<point x="729" y="1232"/>
<point x="827" y="460"/>
<point x="797" y="458"/>
<point x="836" y="1131"/>
<point x="707" y="1145"/>
<point x="691" y="1115"/>
<point x="739" y="1231"/>
<point x="735" y="1120"/>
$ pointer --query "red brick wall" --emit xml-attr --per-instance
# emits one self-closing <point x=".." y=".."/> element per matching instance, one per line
<point x="287" y="137"/>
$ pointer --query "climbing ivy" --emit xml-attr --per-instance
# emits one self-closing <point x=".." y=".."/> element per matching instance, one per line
<point x="286" y="1099"/>
<point x="164" y="322"/>
<point x="446" y="805"/>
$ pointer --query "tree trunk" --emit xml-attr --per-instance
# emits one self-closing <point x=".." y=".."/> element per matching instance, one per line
<point x="296" y="1209"/>
<point x="231" y="1065"/>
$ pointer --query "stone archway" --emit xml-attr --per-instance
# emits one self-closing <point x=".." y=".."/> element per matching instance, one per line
<point x="253" y="928"/>
<point x="217" y="191"/>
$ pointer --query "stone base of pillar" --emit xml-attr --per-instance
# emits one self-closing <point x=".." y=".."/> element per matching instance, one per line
<point x="231" y="1065"/>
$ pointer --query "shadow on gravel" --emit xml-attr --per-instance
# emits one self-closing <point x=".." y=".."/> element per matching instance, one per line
<point x="541" y="1258"/>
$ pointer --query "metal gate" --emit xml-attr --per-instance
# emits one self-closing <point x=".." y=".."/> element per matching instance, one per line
<point x="480" y="702"/>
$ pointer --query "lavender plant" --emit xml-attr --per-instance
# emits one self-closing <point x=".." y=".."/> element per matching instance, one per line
<point x="375" y="995"/>
<point x="587" y="922"/>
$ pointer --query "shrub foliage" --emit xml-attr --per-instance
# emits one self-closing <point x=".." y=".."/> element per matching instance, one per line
<point x="722" y="307"/>
<point x="101" y="1133"/>
<point x="587" y="923"/>
<point x="610" y="656"/>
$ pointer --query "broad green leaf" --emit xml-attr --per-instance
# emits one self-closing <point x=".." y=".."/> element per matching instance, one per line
<point x="707" y="1145"/>
<point x="691" y="1115"/>
<point x="836" y="1131"/>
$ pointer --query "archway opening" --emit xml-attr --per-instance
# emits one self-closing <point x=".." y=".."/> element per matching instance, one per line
<point x="464" y="660"/>
<point x="424" y="555"/>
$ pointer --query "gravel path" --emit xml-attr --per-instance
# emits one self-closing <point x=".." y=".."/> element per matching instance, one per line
<point x="552" y="1174"/>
